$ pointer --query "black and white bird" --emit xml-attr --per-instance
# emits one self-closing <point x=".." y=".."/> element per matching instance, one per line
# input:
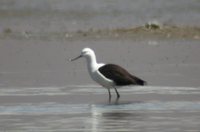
<point x="108" y="75"/>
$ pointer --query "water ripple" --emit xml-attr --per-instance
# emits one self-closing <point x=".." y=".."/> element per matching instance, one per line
<point x="55" y="108"/>
<point x="85" y="89"/>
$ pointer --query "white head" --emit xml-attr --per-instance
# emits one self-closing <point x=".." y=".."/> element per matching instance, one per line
<point x="87" y="53"/>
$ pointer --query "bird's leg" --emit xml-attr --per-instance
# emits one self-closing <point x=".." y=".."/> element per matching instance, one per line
<point x="117" y="101"/>
<point x="118" y="96"/>
<point x="109" y="94"/>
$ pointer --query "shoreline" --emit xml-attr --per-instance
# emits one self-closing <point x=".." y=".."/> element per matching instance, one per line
<point x="140" y="32"/>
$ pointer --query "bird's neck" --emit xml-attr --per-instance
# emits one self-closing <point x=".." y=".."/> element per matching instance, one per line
<point x="91" y="63"/>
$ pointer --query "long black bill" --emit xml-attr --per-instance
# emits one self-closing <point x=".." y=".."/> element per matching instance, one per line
<point x="76" y="58"/>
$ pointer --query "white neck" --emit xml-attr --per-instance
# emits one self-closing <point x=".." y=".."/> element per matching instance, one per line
<point x="91" y="62"/>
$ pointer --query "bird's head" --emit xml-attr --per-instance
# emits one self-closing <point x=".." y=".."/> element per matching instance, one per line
<point x="86" y="52"/>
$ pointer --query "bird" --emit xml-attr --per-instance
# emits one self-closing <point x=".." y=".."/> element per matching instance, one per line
<point x="108" y="75"/>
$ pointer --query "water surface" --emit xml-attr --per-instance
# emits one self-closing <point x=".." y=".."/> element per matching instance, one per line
<point x="86" y="108"/>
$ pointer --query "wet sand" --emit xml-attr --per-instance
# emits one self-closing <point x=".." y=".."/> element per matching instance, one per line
<point x="32" y="62"/>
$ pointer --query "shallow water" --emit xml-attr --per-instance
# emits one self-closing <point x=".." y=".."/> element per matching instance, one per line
<point x="86" y="108"/>
<point x="74" y="15"/>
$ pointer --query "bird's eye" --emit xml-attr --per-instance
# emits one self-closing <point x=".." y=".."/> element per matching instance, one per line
<point x="84" y="52"/>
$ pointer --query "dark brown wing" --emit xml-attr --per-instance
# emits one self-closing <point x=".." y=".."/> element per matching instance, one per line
<point x="119" y="75"/>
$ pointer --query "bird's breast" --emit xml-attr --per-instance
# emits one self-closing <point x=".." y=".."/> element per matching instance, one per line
<point x="99" y="78"/>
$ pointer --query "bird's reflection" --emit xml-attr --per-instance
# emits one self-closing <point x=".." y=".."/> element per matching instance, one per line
<point x="114" y="102"/>
<point x="117" y="101"/>
<point x="116" y="113"/>
<point x="119" y="115"/>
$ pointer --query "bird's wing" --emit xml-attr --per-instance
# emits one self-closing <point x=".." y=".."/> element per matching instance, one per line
<point x="119" y="75"/>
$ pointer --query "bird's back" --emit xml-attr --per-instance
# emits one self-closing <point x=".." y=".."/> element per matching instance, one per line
<point x="119" y="75"/>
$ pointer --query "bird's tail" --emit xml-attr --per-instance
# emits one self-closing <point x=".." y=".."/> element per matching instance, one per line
<point x="139" y="81"/>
